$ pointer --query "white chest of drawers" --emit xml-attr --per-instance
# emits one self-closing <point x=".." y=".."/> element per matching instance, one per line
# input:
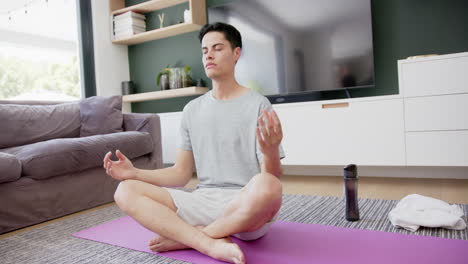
<point x="435" y="93"/>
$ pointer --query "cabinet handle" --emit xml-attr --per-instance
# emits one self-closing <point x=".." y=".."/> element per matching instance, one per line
<point x="336" y="105"/>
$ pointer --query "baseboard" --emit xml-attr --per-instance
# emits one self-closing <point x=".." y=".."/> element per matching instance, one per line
<point x="381" y="171"/>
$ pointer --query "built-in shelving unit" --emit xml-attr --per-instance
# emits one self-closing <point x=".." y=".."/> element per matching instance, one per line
<point x="197" y="10"/>
<point x="149" y="96"/>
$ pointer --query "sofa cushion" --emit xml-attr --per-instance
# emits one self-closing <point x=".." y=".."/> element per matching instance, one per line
<point x="54" y="157"/>
<point x="10" y="168"/>
<point x="26" y="124"/>
<point x="101" y="115"/>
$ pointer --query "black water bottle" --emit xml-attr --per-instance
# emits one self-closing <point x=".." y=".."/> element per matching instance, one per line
<point x="351" y="192"/>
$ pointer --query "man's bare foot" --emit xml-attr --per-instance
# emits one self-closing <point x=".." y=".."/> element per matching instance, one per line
<point x="226" y="250"/>
<point x="162" y="244"/>
<point x="223" y="249"/>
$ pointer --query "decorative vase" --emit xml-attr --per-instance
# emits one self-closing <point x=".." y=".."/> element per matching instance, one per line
<point x="186" y="79"/>
<point x="128" y="87"/>
<point x="161" y="20"/>
<point x="187" y="16"/>
<point x="175" y="78"/>
<point x="164" y="82"/>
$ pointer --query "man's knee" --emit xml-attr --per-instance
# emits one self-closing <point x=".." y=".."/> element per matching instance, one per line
<point x="263" y="197"/>
<point x="267" y="188"/>
<point x="129" y="191"/>
<point x="123" y="196"/>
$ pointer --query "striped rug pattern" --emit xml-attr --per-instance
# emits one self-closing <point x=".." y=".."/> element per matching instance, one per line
<point x="55" y="244"/>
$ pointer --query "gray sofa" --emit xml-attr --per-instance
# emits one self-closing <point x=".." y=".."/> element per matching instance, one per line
<point x="51" y="155"/>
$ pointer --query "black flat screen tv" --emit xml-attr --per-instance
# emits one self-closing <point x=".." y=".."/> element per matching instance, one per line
<point x="295" y="50"/>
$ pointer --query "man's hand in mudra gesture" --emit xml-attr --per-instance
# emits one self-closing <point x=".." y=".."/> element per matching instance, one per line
<point x="269" y="133"/>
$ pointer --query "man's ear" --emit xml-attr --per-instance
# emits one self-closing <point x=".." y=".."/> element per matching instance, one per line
<point x="237" y="53"/>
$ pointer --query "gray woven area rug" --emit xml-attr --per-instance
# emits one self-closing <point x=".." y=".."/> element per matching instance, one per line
<point x="55" y="244"/>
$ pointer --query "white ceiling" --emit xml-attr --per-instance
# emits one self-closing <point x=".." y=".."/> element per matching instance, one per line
<point x="8" y="5"/>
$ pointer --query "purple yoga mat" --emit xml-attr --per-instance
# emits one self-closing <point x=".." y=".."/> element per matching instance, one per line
<point x="297" y="243"/>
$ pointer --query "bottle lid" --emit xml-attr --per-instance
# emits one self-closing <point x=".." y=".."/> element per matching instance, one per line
<point x="350" y="171"/>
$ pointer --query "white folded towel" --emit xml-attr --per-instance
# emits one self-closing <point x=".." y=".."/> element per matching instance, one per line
<point x="416" y="210"/>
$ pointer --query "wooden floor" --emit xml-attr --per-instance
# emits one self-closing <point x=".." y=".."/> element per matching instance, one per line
<point x="449" y="190"/>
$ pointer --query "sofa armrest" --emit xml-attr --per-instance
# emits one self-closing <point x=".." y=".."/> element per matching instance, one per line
<point x="151" y="124"/>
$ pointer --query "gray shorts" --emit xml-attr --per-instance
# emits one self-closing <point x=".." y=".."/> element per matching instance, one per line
<point x="203" y="206"/>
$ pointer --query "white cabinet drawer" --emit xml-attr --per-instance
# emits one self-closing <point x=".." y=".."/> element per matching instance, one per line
<point x="435" y="76"/>
<point x="446" y="112"/>
<point x="441" y="148"/>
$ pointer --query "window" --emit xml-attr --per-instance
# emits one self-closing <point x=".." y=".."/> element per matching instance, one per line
<point x="39" y="58"/>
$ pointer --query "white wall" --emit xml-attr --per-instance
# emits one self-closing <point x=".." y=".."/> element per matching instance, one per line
<point x="110" y="60"/>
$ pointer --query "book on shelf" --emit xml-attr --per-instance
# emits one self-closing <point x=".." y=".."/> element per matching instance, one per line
<point x="130" y="22"/>
<point x="129" y="14"/>
<point x="127" y="27"/>
<point x="128" y="32"/>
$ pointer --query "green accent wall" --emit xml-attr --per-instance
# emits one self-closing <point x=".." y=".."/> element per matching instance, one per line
<point x="401" y="28"/>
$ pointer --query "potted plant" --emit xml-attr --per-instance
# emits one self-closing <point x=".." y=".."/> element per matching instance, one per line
<point x="163" y="78"/>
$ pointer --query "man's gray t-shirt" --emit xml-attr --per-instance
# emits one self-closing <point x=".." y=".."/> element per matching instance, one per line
<point x="222" y="136"/>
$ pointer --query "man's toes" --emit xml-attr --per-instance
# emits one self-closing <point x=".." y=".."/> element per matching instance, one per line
<point x="158" y="247"/>
<point x="155" y="240"/>
<point x="239" y="257"/>
<point x="154" y="248"/>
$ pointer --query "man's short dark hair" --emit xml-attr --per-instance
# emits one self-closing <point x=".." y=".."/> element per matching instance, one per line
<point x="230" y="33"/>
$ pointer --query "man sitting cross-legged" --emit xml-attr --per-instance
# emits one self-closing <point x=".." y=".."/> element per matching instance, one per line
<point x="233" y="138"/>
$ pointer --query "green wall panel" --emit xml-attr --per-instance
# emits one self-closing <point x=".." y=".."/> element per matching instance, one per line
<point x="401" y="28"/>
<point x="405" y="28"/>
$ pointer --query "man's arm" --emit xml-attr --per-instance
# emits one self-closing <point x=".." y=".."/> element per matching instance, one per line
<point x="272" y="165"/>
<point x="269" y="136"/>
<point x="176" y="176"/>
